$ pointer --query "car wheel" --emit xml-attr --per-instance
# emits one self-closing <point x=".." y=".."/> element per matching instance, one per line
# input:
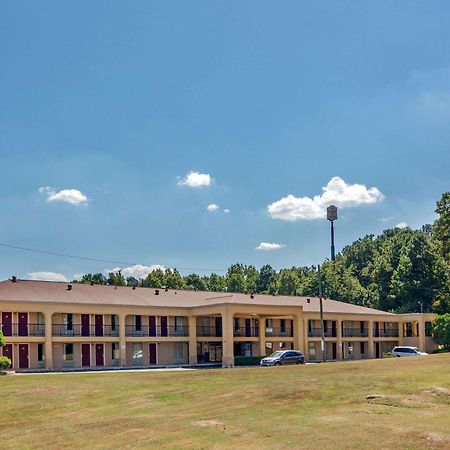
<point x="298" y="362"/>
<point x="277" y="363"/>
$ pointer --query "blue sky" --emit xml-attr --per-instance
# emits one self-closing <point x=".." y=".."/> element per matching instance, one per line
<point x="120" y="123"/>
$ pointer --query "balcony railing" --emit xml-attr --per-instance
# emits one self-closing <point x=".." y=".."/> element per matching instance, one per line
<point x="317" y="332"/>
<point x="354" y="332"/>
<point x="246" y="332"/>
<point x="76" y="329"/>
<point x="278" y="332"/>
<point x="385" y="333"/>
<point x="208" y="331"/>
<point x="18" y="329"/>
<point x="157" y="331"/>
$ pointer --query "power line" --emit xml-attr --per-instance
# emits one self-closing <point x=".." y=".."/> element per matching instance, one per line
<point x="87" y="258"/>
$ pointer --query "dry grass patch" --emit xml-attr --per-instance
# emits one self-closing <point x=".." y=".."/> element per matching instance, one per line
<point x="313" y="406"/>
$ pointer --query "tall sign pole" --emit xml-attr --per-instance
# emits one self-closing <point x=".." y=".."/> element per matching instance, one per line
<point x="332" y="216"/>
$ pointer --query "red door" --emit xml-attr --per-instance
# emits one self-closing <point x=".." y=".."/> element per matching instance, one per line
<point x="23" y="324"/>
<point x="99" y="325"/>
<point x="85" y="355"/>
<point x="163" y="326"/>
<point x="8" y="352"/>
<point x="152" y="352"/>
<point x="23" y="356"/>
<point x="99" y="355"/>
<point x="152" y="326"/>
<point x="7" y="324"/>
<point x="84" y="324"/>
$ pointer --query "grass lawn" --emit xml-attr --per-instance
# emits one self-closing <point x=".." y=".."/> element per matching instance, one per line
<point x="314" y="406"/>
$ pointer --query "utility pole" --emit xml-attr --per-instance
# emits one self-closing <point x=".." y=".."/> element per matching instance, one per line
<point x="322" y="327"/>
<point x="332" y="216"/>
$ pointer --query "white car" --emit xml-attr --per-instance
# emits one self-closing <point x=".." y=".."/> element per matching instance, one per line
<point x="407" y="351"/>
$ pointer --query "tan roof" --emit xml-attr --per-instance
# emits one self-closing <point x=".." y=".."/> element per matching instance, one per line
<point x="57" y="292"/>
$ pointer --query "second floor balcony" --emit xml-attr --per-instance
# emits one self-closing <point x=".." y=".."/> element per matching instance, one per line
<point x="385" y="333"/>
<point x="76" y="329"/>
<point x="317" y="332"/>
<point x="246" y="331"/>
<point x="279" y="332"/>
<point x="157" y="331"/>
<point x="354" y="332"/>
<point x="23" y="329"/>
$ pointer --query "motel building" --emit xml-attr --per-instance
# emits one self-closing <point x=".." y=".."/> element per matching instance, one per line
<point x="54" y="325"/>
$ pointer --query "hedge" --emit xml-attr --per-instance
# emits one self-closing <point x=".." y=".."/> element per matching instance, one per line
<point x="247" y="360"/>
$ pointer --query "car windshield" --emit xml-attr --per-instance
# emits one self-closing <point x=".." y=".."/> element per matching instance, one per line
<point x="275" y="354"/>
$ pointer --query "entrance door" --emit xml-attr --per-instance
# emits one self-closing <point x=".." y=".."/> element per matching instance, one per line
<point x="152" y="352"/>
<point x="23" y="356"/>
<point x="8" y="352"/>
<point x="84" y="324"/>
<point x="377" y="349"/>
<point x="333" y="350"/>
<point x="163" y="326"/>
<point x="99" y="355"/>
<point x="99" y="324"/>
<point x="7" y="324"/>
<point x="152" y="326"/>
<point x="85" y="355"/>
<point x="23" y="324"/>
<point x="248" y="327"/>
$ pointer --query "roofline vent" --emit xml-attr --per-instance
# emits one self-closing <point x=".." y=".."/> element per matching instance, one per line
<point x="14" y="279"/>
<point x="156" y="291"/>
<point x="134" y="287"/>
<point x="69" y="287"/>
<point x="252" y="295"/>
<point x="308" y="300"/>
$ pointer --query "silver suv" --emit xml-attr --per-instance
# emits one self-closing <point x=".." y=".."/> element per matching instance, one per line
<point x="407" y="351"/>
<point x="282" y="357"/>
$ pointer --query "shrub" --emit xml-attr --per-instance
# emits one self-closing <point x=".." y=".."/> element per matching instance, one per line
<point x="5" y="362"/>
<point x="247" y="360"/>
<point x="440" y="350"/>
<point x="388" y="355"/>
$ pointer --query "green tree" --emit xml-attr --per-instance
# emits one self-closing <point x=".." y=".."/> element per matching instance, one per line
<point x="441" y="227"/>
<point x="173" y="279"/>
<point x="156" y="279"/>
<point x="267" y="279"/>
<point x="236" y="278"/>
<point x="116" y="279"/>
<point x="216" y="283"/>
<point x="96" y="278"/>
<point x="4" y="361"/>
<point x="195" y="282"/>
<point x="441" y="330"/>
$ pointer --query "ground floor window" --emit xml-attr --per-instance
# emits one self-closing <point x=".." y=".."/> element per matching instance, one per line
<point x="41" y="354"/>
<point x="179" y="352"/>
<point x="115" y="351"/>
<point x="68" y="352"/>
<point x="428" y="329"/>
<point x="312" y="350"/>
<point x="138" y="355"/>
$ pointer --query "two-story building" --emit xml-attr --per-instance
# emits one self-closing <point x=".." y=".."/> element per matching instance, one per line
<point x="54" y="325"/>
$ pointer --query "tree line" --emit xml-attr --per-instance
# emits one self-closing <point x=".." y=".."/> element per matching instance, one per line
<point x="401" y="270"/>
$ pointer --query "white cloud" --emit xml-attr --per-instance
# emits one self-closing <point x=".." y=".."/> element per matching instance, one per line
<point x="47" y="276"/>
<point x="337" y="192"/>
<point x="226" y="210"/>
<point x="72" y="196"/>
<point x="212" y="207"/>
<point x="268" y="246"/>
<point x="386" y="219"/>
<point x="195" y="180"/>
<point x="136" y="271"/>
<point x="401" y="225"/>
